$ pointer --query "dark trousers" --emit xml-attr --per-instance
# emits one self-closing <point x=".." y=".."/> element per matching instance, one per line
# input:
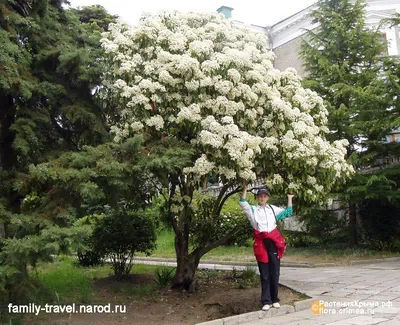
<point x="269" y="274"/>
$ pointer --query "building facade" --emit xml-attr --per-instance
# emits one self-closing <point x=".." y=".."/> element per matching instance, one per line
<point x="285" y="36"/>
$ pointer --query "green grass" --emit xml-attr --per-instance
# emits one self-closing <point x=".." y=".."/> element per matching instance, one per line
<point x="166" y="249"/>
<point x="65" y="282"/>
<point x="231" y="253"/>
<point x="165" y="244"/>
<point x="312" y="255"/>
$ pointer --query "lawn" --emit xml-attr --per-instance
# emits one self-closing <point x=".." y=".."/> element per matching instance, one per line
<point x="312" y="255"/>
<point x="69" y="283"/>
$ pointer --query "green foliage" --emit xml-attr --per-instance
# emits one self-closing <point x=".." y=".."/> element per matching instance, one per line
<point x="229" y="226"/>
<point x="338" y="72"/>
<point x="246" y="278"/>
<point x="382" y="184"/>
<point x="49" y="69"/>
<point x="94" y="17"/>
<point x="380" y="223"/>
<point x="18" y="253"/>
<point x="165" y="243"/>
<point x="93" y="179"/>
<point x="390" y="244"/>
<point x="120" y="234"/>
<point x="348" y="65"/>
<point x="48" y="80"/>
<point x="300" y="239"/>
<point x="158" y="211"/>
<point x="88" y="256"/>
<point x="164" y="275"/>
<point x="235" y="222"/>
<point x="357" y="89"/>
<point x="249" y="273"/>
<point x="322" y="223"/>
<point x="67" y="283"/>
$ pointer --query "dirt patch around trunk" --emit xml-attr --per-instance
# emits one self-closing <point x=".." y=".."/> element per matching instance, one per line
<point x="220" y="294"/>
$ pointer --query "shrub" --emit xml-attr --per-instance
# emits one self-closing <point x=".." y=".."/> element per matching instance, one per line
<point x="249" y="273"/>
<point x="380" y="223"/>
<point x="248" y="278"/>
<point x="230" y="224"/>
<point x="122" y="233"/>
<point x="299" y="239"/>
<point x="234" y="220"/>
<point x="322" y="225"/>
<point x="390" y="244"/>
<point x="164" y="275"/>
<point x="88" y="256"/>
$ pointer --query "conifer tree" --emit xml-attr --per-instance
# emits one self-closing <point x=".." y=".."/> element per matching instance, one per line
<point x="49" y="58"/>
<point x="347" y="65"/>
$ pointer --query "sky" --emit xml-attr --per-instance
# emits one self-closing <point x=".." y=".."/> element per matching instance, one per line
<point x="256" y="12"/>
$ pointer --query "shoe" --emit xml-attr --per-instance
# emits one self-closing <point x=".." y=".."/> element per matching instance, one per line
<point x="276" y="305"/>
<point x="266" y="307"/>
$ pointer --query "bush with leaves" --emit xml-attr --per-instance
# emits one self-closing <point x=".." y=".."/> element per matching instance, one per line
<point x="235" y="222"/>
<point x="233" y="227"/>
<point x="380" y="224"/>
<point x="322" y="224"/>
<point x="164" y="275"/>
<point x="88" y="256"/>
<point x="157" y="210"/>
<point x="18" y="254"/>
<point x="120" y="235"/>
<point x="298" y="239"/>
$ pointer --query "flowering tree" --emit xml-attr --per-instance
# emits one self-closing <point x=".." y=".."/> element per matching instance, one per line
<point x="208" y="102"/>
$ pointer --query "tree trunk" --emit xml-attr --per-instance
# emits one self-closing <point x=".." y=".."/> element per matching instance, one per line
<point x="8" y="159"/>
<point x="7" y="118"/>
<point x="353" y="224"/>
<point x="186" y="264"/>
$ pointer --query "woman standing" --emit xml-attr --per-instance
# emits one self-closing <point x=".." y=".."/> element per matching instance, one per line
<point x="269" y="245"/>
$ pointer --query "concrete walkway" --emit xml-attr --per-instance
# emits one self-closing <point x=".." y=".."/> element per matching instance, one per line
<point x="371" y="292"/>
<point x="341" y="295"/>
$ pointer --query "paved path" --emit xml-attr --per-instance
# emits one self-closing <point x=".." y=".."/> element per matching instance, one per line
<point x="374" y="287"/>
<point x="370" y="285"/>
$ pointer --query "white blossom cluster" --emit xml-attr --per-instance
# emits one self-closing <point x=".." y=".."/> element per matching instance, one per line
<point x="194" y="76"/>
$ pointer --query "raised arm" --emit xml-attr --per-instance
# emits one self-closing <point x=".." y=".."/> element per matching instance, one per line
<point x="246" y="207"/>
<point x="244" y="193"/>
<point x="290" y="200"/>
<point x="288" y="212"/>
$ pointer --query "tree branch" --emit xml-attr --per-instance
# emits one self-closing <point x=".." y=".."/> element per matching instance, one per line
<point x="217" y="202"/>
<point x="237" y="190"/>
<point x="171" y="216"/>
<point x="202" y="251"/>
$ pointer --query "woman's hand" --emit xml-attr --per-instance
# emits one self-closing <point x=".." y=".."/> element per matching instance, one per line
<point x="244" y="193"/>
<point x="244" y="183"/>
<point x="290" y="200"/>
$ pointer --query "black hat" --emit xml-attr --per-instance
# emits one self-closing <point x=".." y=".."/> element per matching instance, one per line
<point x="263" y="190"/>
